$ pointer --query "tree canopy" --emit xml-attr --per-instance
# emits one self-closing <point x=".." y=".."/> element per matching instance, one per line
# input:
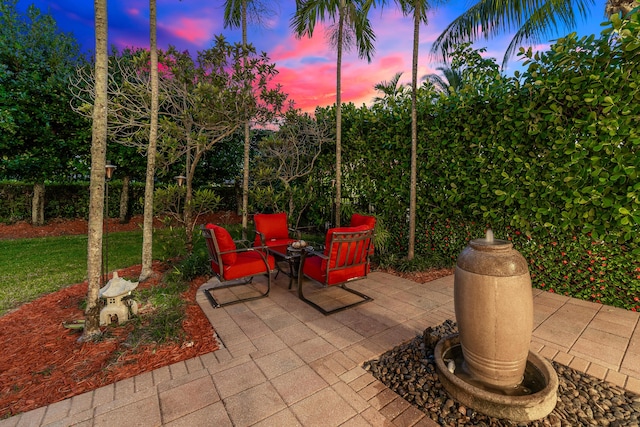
<point x="40" y="136"/>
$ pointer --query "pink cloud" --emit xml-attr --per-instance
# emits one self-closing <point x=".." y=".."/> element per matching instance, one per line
<point x="311" y="85"/>
<point x="314" y="84"/>
<point x="193" y="30"/>
<point x="294" y="48"/>
<point x="390" y="62"/>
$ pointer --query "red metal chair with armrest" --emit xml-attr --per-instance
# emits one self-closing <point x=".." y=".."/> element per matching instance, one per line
<point x="345" y="259"/>
<point x="272" y="231"/>
<point x="235" y="266"/>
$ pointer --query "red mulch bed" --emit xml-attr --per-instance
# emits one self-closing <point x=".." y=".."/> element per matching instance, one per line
<point x="423" y="276"/>
<point x="42" y="362"/>
<point x="62" y="227"/>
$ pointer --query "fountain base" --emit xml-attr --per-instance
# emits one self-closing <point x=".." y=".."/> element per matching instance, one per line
<point x="533" y="401"/>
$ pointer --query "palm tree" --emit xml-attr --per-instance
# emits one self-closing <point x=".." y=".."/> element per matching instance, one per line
<point x="96" y="189"/>
<point x="391" y="90"/>
<point x="623" y="7"/>
<point x="235" y="15"/>
<point x="147" y="225"/>
<point x="350" y="24"/>
<point x="534" y="21"/>
<point x="448" y="83"/>
<point x="418" y="9"/>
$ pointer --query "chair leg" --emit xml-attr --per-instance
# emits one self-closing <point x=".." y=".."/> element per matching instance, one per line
<point x="365" y="298"/>
<point x="209" y="292"/>
<point x="290" y="262"/>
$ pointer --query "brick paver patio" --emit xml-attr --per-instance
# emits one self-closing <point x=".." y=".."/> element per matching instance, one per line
<point x="282" y="363"/>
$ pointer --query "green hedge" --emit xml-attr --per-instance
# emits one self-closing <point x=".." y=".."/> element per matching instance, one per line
<point x="71" y="200"/>
<point x="548" y="158"/>
<point x="63" y="200"/>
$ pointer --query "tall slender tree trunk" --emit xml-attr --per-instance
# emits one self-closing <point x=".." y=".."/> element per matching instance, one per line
<point x="124" y="200"/>
<point x="96" y="187"/>
<point x="339" y="114"/>
<point x="245" y="180"/>
<point x="414" y="137"/>
<point x="147" y="225"/>
<point x="37" y="204"/>
<point x="187" y="216"/>
<point x="247" y="137"/>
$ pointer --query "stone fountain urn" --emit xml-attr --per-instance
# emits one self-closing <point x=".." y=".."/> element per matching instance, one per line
<point x="494" y="309"/>
<point x="488" y="365"/>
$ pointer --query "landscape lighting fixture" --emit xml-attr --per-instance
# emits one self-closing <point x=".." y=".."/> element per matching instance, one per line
<point x="108" y="169"/>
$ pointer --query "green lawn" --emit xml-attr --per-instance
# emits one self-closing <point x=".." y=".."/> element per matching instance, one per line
<point x="33" y="267"/>
<point x="30" y="268"/>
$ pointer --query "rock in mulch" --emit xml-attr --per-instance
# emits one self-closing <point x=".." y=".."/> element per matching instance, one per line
<point x="583" y="400"/>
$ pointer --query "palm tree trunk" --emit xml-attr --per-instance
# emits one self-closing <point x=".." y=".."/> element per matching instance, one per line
<point x="414" y="138"/>
<point x="147" y="224"/>
<point x="339" y="114"/>
<point x="620" y="6"/>
<point x="96" y="187"/>
<point x="247" y="137"/>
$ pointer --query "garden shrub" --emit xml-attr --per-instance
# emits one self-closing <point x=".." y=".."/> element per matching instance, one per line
<point x="63" y="200"/>
<point x="547" y="158"/>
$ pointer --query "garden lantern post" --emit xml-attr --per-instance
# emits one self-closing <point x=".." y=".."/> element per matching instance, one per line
<point x="108" y="173"/>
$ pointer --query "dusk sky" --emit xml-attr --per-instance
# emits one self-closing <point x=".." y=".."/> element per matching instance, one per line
<point x="307" y="67"/>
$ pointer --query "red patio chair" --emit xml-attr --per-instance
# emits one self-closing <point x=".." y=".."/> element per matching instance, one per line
<point x="345" y="259"/>
<point x="235" y="266"/>
<point x="272" y="231"/>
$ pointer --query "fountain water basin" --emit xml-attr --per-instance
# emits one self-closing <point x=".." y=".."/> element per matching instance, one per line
<point x="534" y="398"/>
<point x="488" y="365"/>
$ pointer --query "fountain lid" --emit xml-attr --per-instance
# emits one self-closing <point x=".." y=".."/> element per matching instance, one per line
<point x="492" y="257"/>
<point x="117" y="286"/>
<point x="489" y="243"/>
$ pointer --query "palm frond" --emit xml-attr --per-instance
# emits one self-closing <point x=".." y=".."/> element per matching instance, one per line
<point x="310" y="12"/>
<point x="258" y="12"/>
<point x="531" y="19"/>
<point x="233" y="13"/>
<point x="419" y="7"/>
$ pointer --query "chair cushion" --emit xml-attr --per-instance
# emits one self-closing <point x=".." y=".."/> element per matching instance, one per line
<point x="273" y="226"/>
<point x="345" y="274"/>
<point x="248" y="264"/>
<point x="315" y="268"/>
<point x="369" y="221"/>
<point x="225" y="243"/>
